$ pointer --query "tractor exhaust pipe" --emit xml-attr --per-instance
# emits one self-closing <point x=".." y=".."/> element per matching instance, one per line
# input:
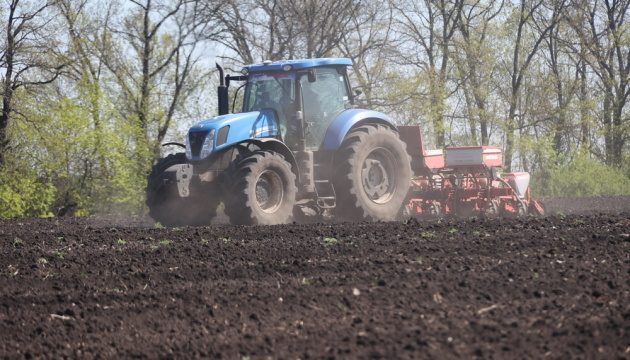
<point x="222" y="92"/>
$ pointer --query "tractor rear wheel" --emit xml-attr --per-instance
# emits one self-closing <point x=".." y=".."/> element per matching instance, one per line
<point x="259" y="188"/>
<point x="372" y="174"/>
<point x="165" y="204"/>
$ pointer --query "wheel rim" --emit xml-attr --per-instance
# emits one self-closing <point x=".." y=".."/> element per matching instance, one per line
<point x="379" y="176"/>
<point x="269" y="191"/>
<point x="434" y="209"/>
<point x="493" y="208"/>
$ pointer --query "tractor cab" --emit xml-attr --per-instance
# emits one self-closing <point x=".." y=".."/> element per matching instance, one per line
<point x="305" y="96"/>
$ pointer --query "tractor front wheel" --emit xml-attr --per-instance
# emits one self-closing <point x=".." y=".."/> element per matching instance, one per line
<point x="259" y="189"/>
<point x="372" y="174"/>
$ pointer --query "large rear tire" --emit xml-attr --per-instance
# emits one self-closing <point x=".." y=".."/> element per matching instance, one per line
<point x="165" y="204"/>
<point x="372" y="174"/>
<point x="259" y="189"/>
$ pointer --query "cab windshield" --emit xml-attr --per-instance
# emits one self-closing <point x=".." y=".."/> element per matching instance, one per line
<point x="269" y="91"/>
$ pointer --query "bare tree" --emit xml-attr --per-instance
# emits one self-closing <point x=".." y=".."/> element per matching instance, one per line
<point x="256" y="30"/>
<point x="370" y="43"/>
<point x="87" y="34"/>
<point x="152" y="54"/>
<point x="534" y="21"/>
<point x="603" y="32"/>
<point x="475" y="63"/>
<point x="428" y="28"/>
<point x="566" y="70"/>
<point x="29" y="57"/>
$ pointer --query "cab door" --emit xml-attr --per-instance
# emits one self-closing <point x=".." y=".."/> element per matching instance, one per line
<point x="323" y="100"/>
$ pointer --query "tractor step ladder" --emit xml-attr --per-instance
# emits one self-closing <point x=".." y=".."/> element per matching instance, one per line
<point x="326" y="198"/>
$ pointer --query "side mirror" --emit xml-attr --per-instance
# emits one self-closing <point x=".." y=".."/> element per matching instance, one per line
<point x="357" y="92"/>
<point x="311" y="74"/>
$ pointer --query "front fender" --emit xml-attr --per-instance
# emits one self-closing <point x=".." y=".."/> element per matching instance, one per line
<point x="349" y="119"/>
<point x="276" y="146"/>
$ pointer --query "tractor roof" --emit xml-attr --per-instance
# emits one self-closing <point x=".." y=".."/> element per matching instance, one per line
<point x="297" y="64"/>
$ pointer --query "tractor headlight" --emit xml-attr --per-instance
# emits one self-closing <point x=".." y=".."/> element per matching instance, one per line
<point x="208" y="144"/>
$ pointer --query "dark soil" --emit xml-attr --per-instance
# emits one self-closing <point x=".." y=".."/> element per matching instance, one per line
<point x="509" y="288"/>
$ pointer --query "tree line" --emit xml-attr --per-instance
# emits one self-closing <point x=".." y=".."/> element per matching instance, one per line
<point x="92" y="88"/>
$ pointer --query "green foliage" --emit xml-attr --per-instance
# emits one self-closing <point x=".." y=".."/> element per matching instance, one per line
<point x="22" y="193"/>
<point x="329" y="241"/>
<point x="581" y="177"/>
<point x="17" y="242"/>
<point x="625" y="164"/>
<point x="83" y="160"/>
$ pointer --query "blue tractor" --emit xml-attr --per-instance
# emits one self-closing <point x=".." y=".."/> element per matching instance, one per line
<point x="299" y="148"/>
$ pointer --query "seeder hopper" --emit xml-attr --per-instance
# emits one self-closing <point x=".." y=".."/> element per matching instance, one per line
<point x="464" y="181"/>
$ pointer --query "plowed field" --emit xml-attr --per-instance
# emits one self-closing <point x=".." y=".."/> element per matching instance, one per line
<point x="553" y="287"/>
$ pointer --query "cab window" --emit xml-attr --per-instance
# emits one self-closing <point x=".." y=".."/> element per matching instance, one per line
<point x="324" y="99"/>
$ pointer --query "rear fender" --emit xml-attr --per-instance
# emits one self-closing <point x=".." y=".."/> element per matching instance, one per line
<point x="348" y="120"/>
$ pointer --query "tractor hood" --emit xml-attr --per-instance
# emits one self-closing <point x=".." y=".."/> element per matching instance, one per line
<point x="221" y="131"/>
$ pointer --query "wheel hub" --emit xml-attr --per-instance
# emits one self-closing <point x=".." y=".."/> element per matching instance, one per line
<point x="269" y="192"/>
<point x="377" y="176"/>
<point x="375" y="180"/>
